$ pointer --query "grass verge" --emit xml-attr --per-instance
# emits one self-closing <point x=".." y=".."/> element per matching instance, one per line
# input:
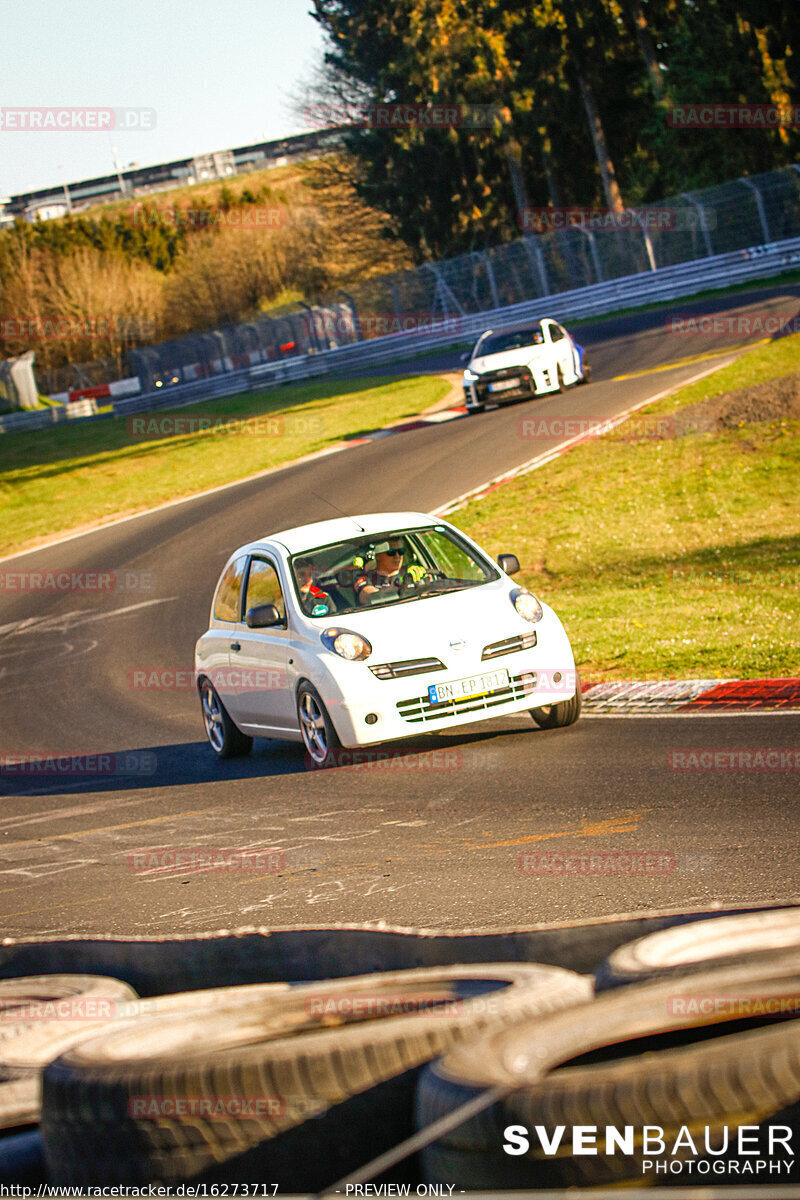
<point x="668" y="558"/>
<point x="87" y="472"/>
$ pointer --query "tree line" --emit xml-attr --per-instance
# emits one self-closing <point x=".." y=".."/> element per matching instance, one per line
<point x="584" y="91"/>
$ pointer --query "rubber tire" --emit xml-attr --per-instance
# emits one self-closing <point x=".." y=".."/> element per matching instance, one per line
<point x="30" y="990"/>
<point x="235" y="744"/>
<point x="741" y="1079"/>
<point x="286" y="1049"/>
<point x="27" y="1055"/>
<point x="697" y="945"/>
<point x="473" y="412"/>
<point x="558" y="716"/>
<point x="524" y="1058"/>
<point x="586" y="373"/>
<point x="331" y="736"/>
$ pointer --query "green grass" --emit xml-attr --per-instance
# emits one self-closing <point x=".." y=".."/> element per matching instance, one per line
<point x="87" y="472"/>
<point x="667" y="559"/>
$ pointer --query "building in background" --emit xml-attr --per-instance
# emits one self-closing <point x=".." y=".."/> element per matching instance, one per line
<point x="47" y="203"/>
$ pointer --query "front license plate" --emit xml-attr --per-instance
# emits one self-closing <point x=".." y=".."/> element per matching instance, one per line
<point x="467" y="689"/>
<point x="504" y="385"/>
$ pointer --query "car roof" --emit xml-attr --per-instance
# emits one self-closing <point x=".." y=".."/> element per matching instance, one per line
<point x="341" y="529"/>
<point x="528" y="327"/>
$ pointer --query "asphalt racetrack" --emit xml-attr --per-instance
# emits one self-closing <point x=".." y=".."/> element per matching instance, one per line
<point x="455" y="835"/>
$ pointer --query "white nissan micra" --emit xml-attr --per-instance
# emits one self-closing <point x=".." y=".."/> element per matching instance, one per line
<point x="372" y="628"/>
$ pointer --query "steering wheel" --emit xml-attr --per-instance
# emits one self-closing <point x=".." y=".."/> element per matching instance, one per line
<point x="407" y="584"/>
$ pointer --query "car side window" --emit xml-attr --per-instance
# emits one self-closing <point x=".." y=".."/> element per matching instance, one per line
<point x="226" y="601"/>
<point x="264" y="587"/>
<point x="556" y="333"/>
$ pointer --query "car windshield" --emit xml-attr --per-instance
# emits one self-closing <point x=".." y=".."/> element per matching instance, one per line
<point x="397" y="567"/>
<point x="517" y="339"/>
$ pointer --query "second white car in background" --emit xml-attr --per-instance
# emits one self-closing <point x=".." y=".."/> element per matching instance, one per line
<point x="517" y="364"/>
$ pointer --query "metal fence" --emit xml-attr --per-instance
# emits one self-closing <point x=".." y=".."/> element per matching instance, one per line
<point x="690" y="228"/>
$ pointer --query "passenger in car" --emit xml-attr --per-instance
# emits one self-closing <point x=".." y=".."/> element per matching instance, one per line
<point x="314" y="601"/>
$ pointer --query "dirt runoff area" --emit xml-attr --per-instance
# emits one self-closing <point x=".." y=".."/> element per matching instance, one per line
<point x="773" y="400"/>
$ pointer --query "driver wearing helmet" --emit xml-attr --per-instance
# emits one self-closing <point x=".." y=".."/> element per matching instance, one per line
<point x="388" y="571"/>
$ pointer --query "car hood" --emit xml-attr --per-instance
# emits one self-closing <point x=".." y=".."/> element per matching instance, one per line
<point x="428" y="627"/>
<point x="508" y="358"/>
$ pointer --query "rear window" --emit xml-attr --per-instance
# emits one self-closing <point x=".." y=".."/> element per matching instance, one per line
<point x="227" y="602"/>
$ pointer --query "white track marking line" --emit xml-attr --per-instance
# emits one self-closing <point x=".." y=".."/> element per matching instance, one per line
<point x="541" y="460"/>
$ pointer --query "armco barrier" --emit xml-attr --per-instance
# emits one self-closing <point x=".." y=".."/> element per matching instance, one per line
<point x="648" y="287"/>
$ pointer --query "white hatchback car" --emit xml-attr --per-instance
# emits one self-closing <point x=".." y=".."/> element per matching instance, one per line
<point x="372" y="628"/>
<point x="516" y="364"/>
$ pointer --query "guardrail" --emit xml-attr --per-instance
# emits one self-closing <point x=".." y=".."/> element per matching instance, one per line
<point x="631" y="291"/>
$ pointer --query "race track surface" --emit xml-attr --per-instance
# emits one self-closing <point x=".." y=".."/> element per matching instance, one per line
<point x="461" y="833"/>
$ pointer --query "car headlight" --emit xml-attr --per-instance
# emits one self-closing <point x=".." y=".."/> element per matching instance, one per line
<point x="346" y="644"/>
<point x="527" y="605"/>
<point x="470" y="376"/>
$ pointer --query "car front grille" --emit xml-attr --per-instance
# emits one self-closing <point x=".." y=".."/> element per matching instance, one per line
<point x="411" y="666"/>
<point x="420" y="709"/>
<point x="526" y="384"/>
<point x="523" y="641"/>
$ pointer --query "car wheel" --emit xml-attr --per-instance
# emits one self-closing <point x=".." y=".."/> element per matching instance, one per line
<point x="586" y="373"/>
<point x="226" y="740"/>
<point x="476" y="408"/>
<point x="316" y="727"/>
<point x="556" y="716"/>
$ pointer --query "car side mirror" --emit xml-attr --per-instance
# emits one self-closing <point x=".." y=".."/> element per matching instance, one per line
<point x="464" y="357"/>
<point x="263" y="616"/>
<point x="508" y="563"/>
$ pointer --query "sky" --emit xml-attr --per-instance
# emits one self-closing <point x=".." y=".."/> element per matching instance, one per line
<point x="218" y="73"/>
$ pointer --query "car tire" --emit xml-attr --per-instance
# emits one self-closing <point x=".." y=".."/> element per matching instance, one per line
<point x="29" y="993"/>
<point x="557" y="716"/>
<point x="698" y="945"/>
<point x="225" y="739"/>
<point x="342" y="1074"/>
<point x="320" y="738"/>
<point x="475" y="409"/>
<point x="586" y="373"/>
<point x="741" y="1077"/>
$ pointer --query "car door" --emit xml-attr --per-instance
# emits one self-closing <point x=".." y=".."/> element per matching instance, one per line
<point x="562" y="344"/>
<point x="259" y="690"/>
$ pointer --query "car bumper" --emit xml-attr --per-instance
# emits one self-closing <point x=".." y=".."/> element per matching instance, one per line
<point x="540" y="676"/>
<point x="539" y="383"/>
